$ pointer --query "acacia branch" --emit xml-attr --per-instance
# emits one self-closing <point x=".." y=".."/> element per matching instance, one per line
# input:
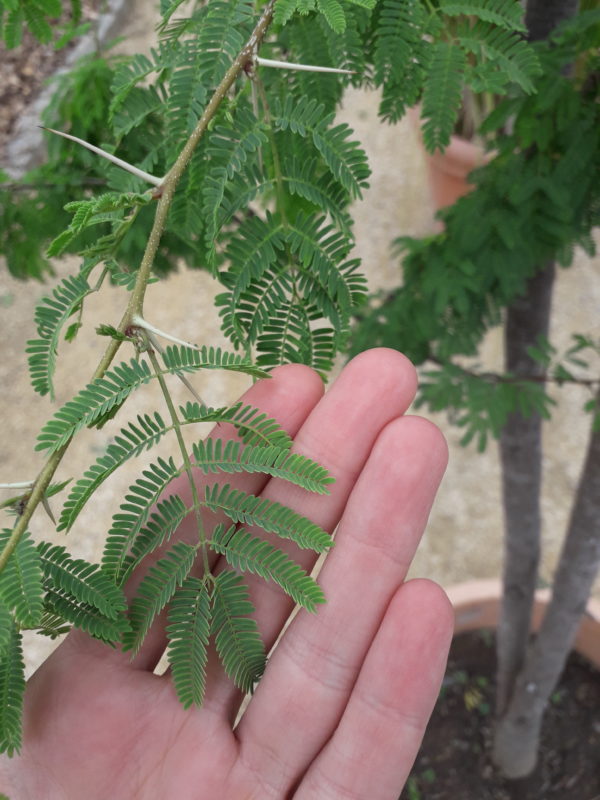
<point x="135" y="305"/>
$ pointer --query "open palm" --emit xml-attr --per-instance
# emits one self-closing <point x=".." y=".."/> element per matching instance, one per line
<point x="347" y="693"/>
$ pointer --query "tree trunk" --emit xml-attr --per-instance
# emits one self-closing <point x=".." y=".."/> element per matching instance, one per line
<point x="521" y="459"/>
<point x="517" y="733"/>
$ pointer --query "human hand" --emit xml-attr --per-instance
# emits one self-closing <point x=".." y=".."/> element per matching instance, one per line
<point x="343" y="704"/>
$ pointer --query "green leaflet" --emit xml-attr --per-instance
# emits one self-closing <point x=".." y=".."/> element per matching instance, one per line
<point x="213" y="455"/>
<point x="131" y="441"/>
<point x="92" y="403"/>
<point x="51" y="315"/>
<point x="162" y="524"/>
<point x="248" y="553"/>
<point x="78" y="579"/>
<point x="186" y="359"/>
<point x="346" y="160"/>
<point x="105" y="208"/>
<point x="252" y="425"/>
<point x="21" y="581"/>
<point x="188" y="631"/>
<point x="269" y="515"/>
<point x="236" y="633"/>
<point x="504" y="13"/>
<point x="156" y="590"/>
<point x="12" y="689"/>
<point x="133" y="515"/>
<point x="86" y="617"/>
<point x="442" y="95"/>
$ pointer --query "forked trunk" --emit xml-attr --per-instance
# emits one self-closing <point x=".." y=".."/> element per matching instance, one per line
<point x="517" y="732"/>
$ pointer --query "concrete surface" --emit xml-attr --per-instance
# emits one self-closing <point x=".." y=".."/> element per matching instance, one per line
<point x="464" y="537"/>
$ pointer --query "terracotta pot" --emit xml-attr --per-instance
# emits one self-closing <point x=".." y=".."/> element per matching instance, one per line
<point x="448" y="170"/>
<point x="477" y="605"/>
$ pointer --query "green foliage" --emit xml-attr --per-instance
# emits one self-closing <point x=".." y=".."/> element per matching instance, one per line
<point x="83" y="582"/>
<point x="267" y="514"/>
<point x="131" y="441"/>
<point x="35" y="15"/>
<point x="128" y="523"/>
<point x="93" y="403"/>
<point x="264" y="205"/>
<point x="21" y="582"/>
<point x="51" y="314"/>
<point x="188" y="631"/>
<point x="212" y="456"/>
<point x="12" y="689"/>
<point x="155" y="591"/>
<point x="187" y="359"/>
<point x="236" y="634"/>
<point x="247" y="553"/>
<point x="534" y="202"/>
<point x="251" y="425"/>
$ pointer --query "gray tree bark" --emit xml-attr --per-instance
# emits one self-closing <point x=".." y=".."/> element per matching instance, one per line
<point x="521" y="460"/>
<point x="517" y="732"/>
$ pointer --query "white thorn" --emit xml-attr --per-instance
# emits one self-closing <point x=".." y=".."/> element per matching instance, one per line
<point x="48" y="510"/>
<point x="20" y="485"/>
<point x="156" y="344"/>
<point x="145" y="176"/>
<point x="141" y="323"/>
<point x="268" y="62"/>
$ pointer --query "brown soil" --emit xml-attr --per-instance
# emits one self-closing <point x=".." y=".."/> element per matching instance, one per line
<point x="24" y="69"/>
<point x="454" y="762"/>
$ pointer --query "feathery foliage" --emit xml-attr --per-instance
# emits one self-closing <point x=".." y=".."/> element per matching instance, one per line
<point x="248" y="553"/>
<point x="12" y="689"/>
<point x="131" y="441"/>
<point x="35" y="15"/>
<point x="21" y="582"/>
<point x="188" y="631"/>
<point x="51" y="314"/>
<point x="212" y="456"/>
<point x="93" y="404"/>
<point x="236" y="634"/>
<point x="533" y="202"/>
<point x="264" y="205"/>
<point x="267" y="514"/>
<point x="134" y="512"/>
<point x="155" y="591"/>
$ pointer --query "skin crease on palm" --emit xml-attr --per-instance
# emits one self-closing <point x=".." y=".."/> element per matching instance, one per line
<point x="343" y="704"/>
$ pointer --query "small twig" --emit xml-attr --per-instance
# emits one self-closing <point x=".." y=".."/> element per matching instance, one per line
<point x="146" y="176"/>
<point x="494" y="377"/>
